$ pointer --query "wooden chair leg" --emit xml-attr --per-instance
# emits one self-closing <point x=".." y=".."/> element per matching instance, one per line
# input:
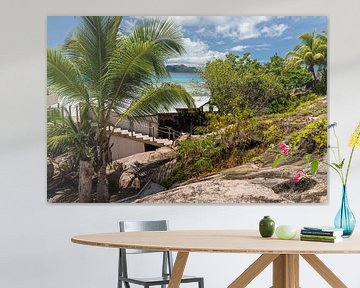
<point x="178" y="269"/>
<point x="324" y="271"/>
<point x="253" y="270"/>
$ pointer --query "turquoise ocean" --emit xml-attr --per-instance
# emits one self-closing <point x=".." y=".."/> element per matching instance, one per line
<point x="192" y="82"/>
<point x="185" y="78"/>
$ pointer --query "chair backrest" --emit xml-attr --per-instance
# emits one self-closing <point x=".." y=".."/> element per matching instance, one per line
<point x="133" y="226"/>
<point x="137" y="226"/>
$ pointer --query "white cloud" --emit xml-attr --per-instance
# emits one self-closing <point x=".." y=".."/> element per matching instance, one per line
<point x="200" y="20"/>
<point x="239" y="48"/>
<point x="198" y="54"/>
<point x="274" y="30"/>
<point x="288" y="38"/>
<point x="235" y="27"/>
<point x="201" y="30"/>
<point x="258" y="47"/>
<point x="261" y="47"/>
<point x="240" y="28"/>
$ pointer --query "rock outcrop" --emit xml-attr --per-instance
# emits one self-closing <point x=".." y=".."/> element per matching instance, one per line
<point x="248" y="184"/>
<point x="133" y="172"/>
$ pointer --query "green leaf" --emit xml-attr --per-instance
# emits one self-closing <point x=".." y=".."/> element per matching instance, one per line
<point x="308" y="158"/>
<point x="342" y="164"/>
<point x="277" y="161"/>
<point x="339" y="166"/>
<point x="314" y="167"/>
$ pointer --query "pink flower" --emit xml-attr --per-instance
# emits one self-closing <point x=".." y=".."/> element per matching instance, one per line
<point x="298" y="175"/>
<point x="284" y="148"/>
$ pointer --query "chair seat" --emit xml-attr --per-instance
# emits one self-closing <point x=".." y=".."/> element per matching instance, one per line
<point x="158" y="280"/>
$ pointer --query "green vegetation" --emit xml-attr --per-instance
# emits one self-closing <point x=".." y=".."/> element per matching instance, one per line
<point x="242" y="82"/>
<point x="234" y="139"/>
<point x="112" y="75"/>
<point x="260" y="105"/>
<point x="289" y="76"/>
<point x="312" y="54"/>
<point x="273" y="134"/>
<point x="65" y="135"/>
<point x="195" y="157"/>
<point x="316" y="131"/>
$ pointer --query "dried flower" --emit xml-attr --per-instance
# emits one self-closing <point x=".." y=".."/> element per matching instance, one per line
<point x="284" y="148"/>
<point x="298" y="175"/>
<point x="355" y="138"/>
<point x="332" y="125"/>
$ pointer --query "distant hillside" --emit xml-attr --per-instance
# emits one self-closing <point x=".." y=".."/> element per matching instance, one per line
<point x="181" y="69"/>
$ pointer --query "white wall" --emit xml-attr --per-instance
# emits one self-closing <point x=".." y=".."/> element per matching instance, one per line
<point x="124" y="147"/>
<point x="143" y="125"/>
<point x="35" y="248"/>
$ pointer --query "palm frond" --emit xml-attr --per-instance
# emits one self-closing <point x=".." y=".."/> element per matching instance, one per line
<point x="164" y="32"/>
<point x="312" y="52"/>
<point x="143" y="55"/>
<point x="64" y="79"/>
<point x="91" y="47"/>
<point x="65" y="135"/>
<point x="158" y="99"/>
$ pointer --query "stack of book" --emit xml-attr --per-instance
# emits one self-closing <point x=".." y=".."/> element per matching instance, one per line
<point x="321" y="234"/>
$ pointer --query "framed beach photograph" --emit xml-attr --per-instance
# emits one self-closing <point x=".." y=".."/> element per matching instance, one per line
<point x="187" y="109"/>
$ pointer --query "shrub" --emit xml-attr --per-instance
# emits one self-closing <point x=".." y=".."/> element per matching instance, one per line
<point x="316" y="131"/>
<point x="273" y="134"/>
<point x="242" y="83"/>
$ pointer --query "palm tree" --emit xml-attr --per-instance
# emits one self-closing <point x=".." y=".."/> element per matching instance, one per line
<point x="65" y="135"/>
<point x="311" y="53"/>
<point x="75" y="139"/>
<point x="111" y="72"/>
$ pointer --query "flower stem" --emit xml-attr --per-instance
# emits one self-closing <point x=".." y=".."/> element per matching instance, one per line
<point x="337" y="171"/>
<point x="348" y="166"/>
<point x="339" y="156"/>
<point x="338" y="145"/>
<point x="350" y="159"/>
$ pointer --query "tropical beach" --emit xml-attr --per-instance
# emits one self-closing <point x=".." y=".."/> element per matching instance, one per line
<point x="154" y="110"/>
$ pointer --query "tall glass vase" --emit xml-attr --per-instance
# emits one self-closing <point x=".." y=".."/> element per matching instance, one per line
<point x="345" y="219"/>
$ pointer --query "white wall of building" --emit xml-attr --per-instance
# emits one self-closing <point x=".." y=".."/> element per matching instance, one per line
<point x="124" y="147"/>
<point x="144" y="125"/>
<point x="35" y="248"/>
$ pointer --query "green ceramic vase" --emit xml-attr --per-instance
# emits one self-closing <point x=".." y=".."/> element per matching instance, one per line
<point x="267" y="227"/>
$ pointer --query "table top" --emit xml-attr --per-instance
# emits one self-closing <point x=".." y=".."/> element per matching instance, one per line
<point x="217" y="241"/>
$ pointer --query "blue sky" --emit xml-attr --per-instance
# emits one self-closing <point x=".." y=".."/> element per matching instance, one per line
<point x="210" y="37"/>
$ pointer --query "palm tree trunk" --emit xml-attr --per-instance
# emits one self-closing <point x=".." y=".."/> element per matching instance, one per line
<point x="102" y="189"/>
<point x="312" y="70"/>
<point x="85" y="181"/>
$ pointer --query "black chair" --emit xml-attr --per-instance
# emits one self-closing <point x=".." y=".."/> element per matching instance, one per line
<point x="167" y="265"/>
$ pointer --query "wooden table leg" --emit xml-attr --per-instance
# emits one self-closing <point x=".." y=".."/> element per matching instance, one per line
<point x="178" y="270"/>
<point x="324" y="271"/>
<point x="286" y="271"/>
<point x="253" y="270"/>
